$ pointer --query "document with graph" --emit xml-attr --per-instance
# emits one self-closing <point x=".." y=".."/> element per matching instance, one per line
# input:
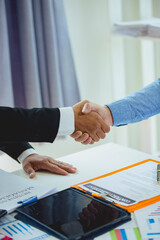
<point x="19" y="230"/>
<point x="148" y="220"/>
<point x="128" y="231"/>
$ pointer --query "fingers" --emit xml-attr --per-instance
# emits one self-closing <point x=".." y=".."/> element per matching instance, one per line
<point x="92" y="120"/>
<point x="103" y="111"/>
<point x="88" y="141"/>
<point x="56" y="169"/>
<point x="83" y="138"/>
<point x="35" y="162"/>
<point x="104" y="127"/>
<point x="92" y="142"/>
<point x="57" y="166"/>
<point x="88" y="107"/>
<point x="63" y="166"/>
<point x="76" y="134"/>
<point x="97" y="127"/>
<point x="29" y="170"/>
<point x="101" y="134"/>
<point x="90" y="123"/>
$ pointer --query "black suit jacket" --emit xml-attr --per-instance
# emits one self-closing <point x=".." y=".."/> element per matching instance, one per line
<point x="18" y="126"/>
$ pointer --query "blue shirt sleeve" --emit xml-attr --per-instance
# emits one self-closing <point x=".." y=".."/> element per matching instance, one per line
<point x="137" y="106"/>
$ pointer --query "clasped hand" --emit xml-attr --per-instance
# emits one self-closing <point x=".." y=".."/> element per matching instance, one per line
<point x="92" y="122"/>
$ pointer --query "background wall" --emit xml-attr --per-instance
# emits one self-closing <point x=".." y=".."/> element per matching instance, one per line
<point x="110" y="67"/>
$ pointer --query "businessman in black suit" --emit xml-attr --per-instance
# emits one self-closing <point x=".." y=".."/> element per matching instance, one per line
<point x="18" y="126"/>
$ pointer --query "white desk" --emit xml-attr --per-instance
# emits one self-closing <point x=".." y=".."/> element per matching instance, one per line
<point x="91" y="163"/>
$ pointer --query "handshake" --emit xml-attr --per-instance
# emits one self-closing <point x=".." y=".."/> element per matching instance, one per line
<point x="92" y="122"/>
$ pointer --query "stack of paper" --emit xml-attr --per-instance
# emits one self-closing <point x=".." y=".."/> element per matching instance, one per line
<point x="14" y="189"/>
<point x="142" y="28"/>
<point x="154" y="30"/>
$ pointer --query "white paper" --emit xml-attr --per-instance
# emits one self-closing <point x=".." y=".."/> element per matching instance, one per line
<point x="19" y="230"/>
<point x="148" y="220"/>
<point x="128" y="187"/>
<point x="14" y="188"/>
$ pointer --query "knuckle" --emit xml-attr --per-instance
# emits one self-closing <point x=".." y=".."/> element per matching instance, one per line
<point x="45" y="159"/>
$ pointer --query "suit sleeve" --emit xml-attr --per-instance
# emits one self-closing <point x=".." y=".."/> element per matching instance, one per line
<point x="14" y="149"/>
<point x="28" y="125"/>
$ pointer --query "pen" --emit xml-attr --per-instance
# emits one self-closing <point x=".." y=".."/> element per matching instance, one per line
<point x="28" y="200"/>
<point x="158" y="173"/>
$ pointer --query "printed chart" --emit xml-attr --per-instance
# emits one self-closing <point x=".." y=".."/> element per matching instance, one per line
<point x="128" y="231"/>
<point x="125" y="234"/>
<point x="148" y="220"/>
<point x="19" y="230"/>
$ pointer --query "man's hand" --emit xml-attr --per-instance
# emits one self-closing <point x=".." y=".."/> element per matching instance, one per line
<point x="35" y="162"/>
<point x="90" y="123"/>
<point x="103" y="111"/>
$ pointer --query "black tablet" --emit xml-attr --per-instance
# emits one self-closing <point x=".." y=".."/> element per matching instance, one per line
<point x="71" y="214"/>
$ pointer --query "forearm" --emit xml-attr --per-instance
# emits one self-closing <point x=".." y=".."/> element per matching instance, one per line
<point x="137" y="106"/>
<point x="33" y="125"/>
<point x="20" y="150"/>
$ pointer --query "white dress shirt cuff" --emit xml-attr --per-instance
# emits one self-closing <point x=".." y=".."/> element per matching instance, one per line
<point x="66" y="125"/>
<point x="25" y="154"/>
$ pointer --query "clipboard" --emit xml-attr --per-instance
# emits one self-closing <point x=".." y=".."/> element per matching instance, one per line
<point x="130" y="208"/>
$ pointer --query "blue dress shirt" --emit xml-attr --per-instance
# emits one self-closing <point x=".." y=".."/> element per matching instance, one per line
<point x="137" y="106"/>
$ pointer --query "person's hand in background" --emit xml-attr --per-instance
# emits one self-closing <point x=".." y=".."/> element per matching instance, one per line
<point x="35" y="162"/>
<point x="103" y="111"/>
<point x="91" y="124"/>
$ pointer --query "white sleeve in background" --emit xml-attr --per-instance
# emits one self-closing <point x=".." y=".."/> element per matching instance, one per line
<point x="66" y="125"/>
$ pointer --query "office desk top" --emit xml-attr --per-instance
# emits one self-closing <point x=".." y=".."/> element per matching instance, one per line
<point x="90" y="163"/>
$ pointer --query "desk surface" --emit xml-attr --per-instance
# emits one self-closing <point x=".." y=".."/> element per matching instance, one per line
<point x="90" y="163"/>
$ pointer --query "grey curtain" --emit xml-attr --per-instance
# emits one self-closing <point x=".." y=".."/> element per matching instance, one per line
<point x="36" y="63"/>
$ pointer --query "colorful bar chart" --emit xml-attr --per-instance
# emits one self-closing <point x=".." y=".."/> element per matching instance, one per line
<point x="128" y="231"/>
<point x="148" y="220"/>
<point x="19" y="230"/>
<point x="125" y="234"/>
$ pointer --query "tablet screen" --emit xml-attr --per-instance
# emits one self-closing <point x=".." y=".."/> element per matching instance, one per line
<point x="72" y="214"/>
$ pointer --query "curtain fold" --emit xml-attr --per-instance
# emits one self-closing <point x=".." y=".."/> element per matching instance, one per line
<point x="36" y="65"/>
<point x="6" y="91"/>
